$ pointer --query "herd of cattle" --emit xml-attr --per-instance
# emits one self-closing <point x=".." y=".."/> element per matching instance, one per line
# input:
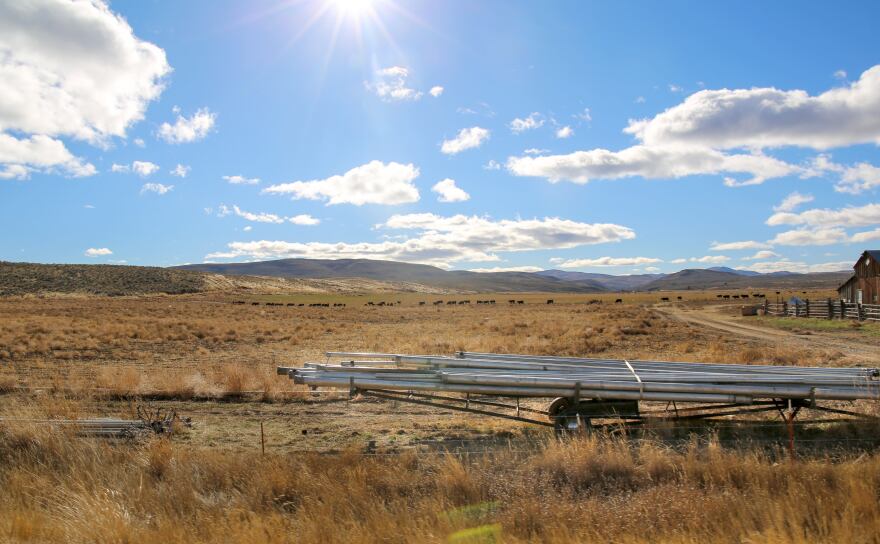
<point x="468" y="301"/>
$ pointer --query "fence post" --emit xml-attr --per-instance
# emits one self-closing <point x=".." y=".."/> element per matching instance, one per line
<point x="808" y="308"/>
<point x="784" y="309"/>
<point x="859" y="311"/>
<point x="842" y="309"/>
<point x="830" y="309"/>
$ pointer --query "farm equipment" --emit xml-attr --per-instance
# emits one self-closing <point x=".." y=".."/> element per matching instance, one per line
<point x="585" y="391"/>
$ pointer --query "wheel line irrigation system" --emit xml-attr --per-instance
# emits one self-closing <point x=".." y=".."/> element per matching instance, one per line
<point x="583" y="389"/>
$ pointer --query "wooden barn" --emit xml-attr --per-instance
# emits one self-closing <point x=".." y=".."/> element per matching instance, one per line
<point x="864" y="285"/>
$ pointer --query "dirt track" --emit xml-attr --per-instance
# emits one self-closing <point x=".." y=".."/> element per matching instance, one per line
<point x="853" y="346"/>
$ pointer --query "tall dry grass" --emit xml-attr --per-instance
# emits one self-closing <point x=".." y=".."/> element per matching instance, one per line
<point x="62" y="489"/>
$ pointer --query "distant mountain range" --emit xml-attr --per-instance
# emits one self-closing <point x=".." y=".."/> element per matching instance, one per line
<point x="546" y="280"/>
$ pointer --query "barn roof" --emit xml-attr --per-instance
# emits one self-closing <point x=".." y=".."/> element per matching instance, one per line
<point x="874" y="254"/>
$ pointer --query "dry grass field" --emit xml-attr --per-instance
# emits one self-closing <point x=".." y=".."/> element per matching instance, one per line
<point x="361" y="470"/>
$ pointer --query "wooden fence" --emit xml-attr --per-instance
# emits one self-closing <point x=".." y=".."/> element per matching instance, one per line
<point x="825" y="309"/>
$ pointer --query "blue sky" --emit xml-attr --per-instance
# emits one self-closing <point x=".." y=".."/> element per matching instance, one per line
<point x="612" y="137"/>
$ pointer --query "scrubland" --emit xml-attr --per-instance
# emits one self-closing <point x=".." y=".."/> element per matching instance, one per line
<point x="364" y="471"/>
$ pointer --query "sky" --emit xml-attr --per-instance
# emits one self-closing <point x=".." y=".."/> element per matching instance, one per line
<point x="616" y="137"/>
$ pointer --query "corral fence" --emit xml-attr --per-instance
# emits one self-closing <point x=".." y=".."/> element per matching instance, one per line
<point x="824" y="309"/>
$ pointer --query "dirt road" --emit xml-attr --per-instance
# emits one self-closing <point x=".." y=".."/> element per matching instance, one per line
<point x="863" y="349"/>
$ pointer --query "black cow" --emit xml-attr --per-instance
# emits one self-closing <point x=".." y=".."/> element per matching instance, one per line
<point x="618" y="301"/>
<point x="549" y="301"/>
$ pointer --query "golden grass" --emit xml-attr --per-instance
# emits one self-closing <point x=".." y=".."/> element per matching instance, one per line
<point x="60" y="488"/>
<point x="212" y="485"/>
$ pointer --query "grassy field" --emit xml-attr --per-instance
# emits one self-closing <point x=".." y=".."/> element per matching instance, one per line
<point x="827" y="325"/>
<point x="370" y="471"/>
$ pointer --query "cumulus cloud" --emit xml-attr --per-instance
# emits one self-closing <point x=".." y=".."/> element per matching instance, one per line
<point x="492" y="165"/>
<point x="188" y="129"/>
<point x="436" y="91"/>
<point x="853" y="179"/>
<point x="811" y="237"/>
<point x="868" y="236"/>
<point x="71" y="69"/>
<point x="851" y="216"/>
<point x="564" y="132"/>
<point x="143" y="168"/>
<point x="786" y="265"/>
<point x="650" y="163"/>
<point x="735" y="246"/>
<point x="157" y="188"/>
<point x="533" y="121"/>
<point x="448" y="191"/>
<point x="442" y="240"/>
<point x="263" y="217"/>
<point x="241" y="180"/>
<point x="19" y="157"/>
<point x="390" y="84"/>
<point x="304" y="219"/>
<point x="180" y="171"/>
<point x="98" y="252"/>
<point x="765" y="254"/>
<point x="467" y="138"/>
<point x="608" y="261"/>
<point x="792" y="201"/>
<point x="535" y="151"/>
<point x="710" y="259"/>
<point x="769" y="117"/>
<point x="140" y="142"/>
<point x="508" y="269"/>
<point x="371" y="183"/>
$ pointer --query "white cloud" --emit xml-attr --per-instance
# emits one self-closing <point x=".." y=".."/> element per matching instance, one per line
<point x="248" y="228"/>
<point x="71" y="69"/>
<point x="120" y="168"/>
<point x="854" y="179"/>
<point x="186" y="130"/>
<point x="492" y="165"/>
<point x="608" y="261"/>
<point x="678" y="261"/>
<point x="157" y="188"/>
<point x="735" y="246"/>
<point x="764" y="254"/>
<point x="467" y="138"/>
<point x="786" y="265"/>
<point x="840" y="74"/>
<point x="255" y="217"/>
<point x="20" y="157"/>
<point x="180" y="171"/>
<point x="649" y="163"/>
<point x="449" y="192"/>
<point x="810" y="237"/>
<point x="143" y="168"/>
<point x="533" y="121"/>
<point x="140" y="142"/>
<point x="390" y="85"/>
<point x="535" y="151"/>
<point x="851" y="216"/>
<point x="304" y="219"/>
<point x="508" y="269"/>
<point x="868" y="236"/>
<point x="792" y="201"/>
<point x="241" y="180"/>
<point x="640" y="100"/>
<point x="371" y="183"/>
<point x="98" y="252"/>
<point x="673" y="88"/>
<point x="436" y="91"/>
<point x="710" y="259"/>
<point x="652" y="269"/>
<point x="768" y="117"/>
<point x="564" y="132"/>
<point x="586" y="116"/>
<point x="445" y="240"/>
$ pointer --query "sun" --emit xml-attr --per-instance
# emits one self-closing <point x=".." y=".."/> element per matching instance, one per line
<point x="353" y="8"/>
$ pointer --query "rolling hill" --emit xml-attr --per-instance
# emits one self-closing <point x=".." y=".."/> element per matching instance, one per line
<point x="403" y="272"/>
<point x="714" y="279"/>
